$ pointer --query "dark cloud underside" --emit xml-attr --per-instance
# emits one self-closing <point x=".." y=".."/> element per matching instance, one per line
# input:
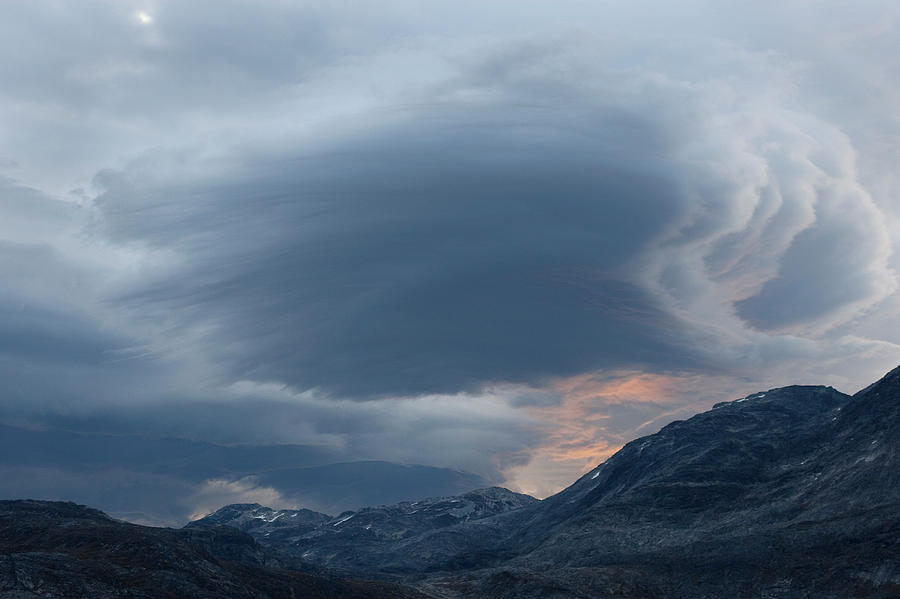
<point x="430" y="257"/>
<point x="521" y="233"/>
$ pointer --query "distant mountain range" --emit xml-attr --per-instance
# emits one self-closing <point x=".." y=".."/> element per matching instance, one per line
<point x="164" y="480"/>
<point x="790" y="493"/>
<point x="53" y="549"/>
<point x="400" y="538"/>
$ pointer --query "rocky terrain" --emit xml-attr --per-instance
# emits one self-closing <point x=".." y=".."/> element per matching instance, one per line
<point x="790" y="493"/>
<point x="52" y="549"/>
<point x="794" y="492"/>
<point x="404" y="537"/>
<point x="786" y="494"/>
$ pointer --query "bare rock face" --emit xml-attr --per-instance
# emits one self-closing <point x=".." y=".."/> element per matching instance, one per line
<point x="52" y="549"/>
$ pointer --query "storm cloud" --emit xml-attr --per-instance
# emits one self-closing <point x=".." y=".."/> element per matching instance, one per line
<point x="431" y="257"/>
<point x="533" y="217"/>
<point x="465" y="229"/>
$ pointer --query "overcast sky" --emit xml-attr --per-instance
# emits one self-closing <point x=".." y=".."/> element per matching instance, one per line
<point x="505" y="236"/>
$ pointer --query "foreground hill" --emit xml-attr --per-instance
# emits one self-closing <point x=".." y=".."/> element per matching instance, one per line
<point x="51" y="549"/>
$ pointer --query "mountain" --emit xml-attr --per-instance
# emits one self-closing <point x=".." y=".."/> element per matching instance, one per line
<point x="51" y="549"/>
<point x="789" y="493"/>
<point x="794" y="492"/>
<point x="403" y="537"/>
<point x="261" y="521"/>
<point x="166" y="480"/>
<point x="740" y="457"/>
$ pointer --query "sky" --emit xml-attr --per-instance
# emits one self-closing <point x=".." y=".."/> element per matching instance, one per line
<point x="504" y="237"/>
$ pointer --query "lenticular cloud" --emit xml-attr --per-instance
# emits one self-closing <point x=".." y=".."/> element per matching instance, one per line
<point x="611" y="213"/>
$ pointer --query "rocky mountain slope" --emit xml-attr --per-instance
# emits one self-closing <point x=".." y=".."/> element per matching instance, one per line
<point x="165" y="480"/>
<point x="790" y="493"/>
<point x="794" y="492"/>
<point x="403" y="537"/>
<point x="261" y="521"/>
<point x="51" y="549"/>
<point x="787" y="494"/>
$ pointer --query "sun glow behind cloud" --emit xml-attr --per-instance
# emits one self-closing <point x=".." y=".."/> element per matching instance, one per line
<point x="598" y="412"/>
<point x="144" y="17"/>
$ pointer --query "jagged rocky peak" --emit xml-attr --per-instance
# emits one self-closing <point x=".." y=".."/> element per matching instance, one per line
<point x="408" y="519"/>
<point x="503" y="495"/>
<point x="468" y="506"/>
<point x="250" y="517"/>
<point x="423" y="514"/>
<point x="437" y="512"/>
<point x="730" y="442"/>
<point x="805" y="399"/>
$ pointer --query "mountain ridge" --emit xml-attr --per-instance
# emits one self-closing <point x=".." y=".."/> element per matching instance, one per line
<point x="771" y="487"/>
<point x="382" y="536"/>
<point x="789" y="493"/>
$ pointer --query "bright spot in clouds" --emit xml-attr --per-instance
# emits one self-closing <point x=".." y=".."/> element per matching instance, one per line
<point x="144" y="18"/>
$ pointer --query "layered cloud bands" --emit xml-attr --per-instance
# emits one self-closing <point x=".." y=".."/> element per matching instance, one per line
<point x="573" y="223"/>
<point x="546" y="212"/>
